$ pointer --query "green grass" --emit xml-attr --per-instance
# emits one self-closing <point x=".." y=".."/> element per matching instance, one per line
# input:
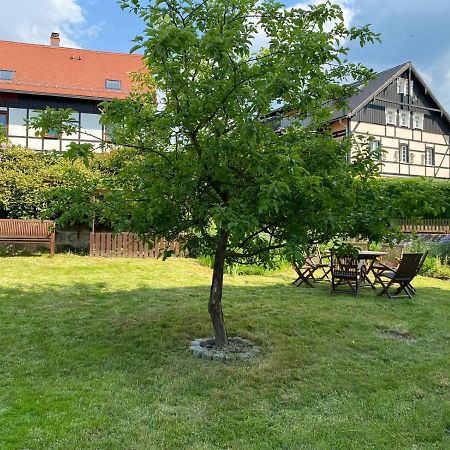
<point x="94" y="355"/>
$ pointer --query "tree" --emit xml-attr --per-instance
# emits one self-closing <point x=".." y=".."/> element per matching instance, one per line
<point x="203" y="164"/>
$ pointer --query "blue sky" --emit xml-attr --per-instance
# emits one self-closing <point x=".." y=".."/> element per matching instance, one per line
<point x="412" y="30"/>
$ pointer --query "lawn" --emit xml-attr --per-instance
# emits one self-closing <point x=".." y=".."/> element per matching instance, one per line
<point x="94" y="355"/>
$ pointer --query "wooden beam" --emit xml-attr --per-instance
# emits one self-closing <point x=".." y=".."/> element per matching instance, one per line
<point x="406" y="104"/>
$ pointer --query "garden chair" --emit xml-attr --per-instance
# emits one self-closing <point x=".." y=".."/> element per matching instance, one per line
<point x="345" y="270"/>
<point x="407" y="269"/>
<point x="424" y="257"/>
<point x="308" y="271"/>
<point x="360" y="245"/>
<point x="390" y="261"/>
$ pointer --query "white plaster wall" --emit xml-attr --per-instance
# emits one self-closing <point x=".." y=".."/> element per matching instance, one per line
<point x="18" y="141"/>
<point x="417" y="135"/>
<point x="35" y="143"/>
<point x="417" y="170"/>
<point x="404" y="133"/>
<point x="390" y="131"/>
<point x="392" y="137"/>
<point x="419" y="146"/>
<point x="433" y="138"/>
<point x="52" y="144"/>
<point x="367" y="128"/>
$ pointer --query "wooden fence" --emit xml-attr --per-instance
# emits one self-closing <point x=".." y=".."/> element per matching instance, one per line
<point x="432" y="226"/>
<point x="127" y="245"/>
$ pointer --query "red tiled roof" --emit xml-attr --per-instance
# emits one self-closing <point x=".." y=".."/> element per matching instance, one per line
<point x="68" y="72"/>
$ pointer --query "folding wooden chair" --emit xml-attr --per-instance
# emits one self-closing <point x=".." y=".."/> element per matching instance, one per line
<point x="402" y="275"/>
<point x="304" y="274"/>
<point x="424" y="257"/>
<point x="360" y="245"/>
<point x="308" y="272"/>
<point x="390" y="261"/>
<point x="345" y="270"/>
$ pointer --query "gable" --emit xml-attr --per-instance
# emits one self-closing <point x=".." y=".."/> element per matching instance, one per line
<point x="387" y="95"/>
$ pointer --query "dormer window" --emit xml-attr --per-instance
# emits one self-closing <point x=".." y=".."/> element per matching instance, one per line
<point x="402" y="86"/>
<point x="418" y="121"/>
<point x="115" y="85"/>
<point x="391" y="116"/>
<point x="6" y="74"/>
<point x="404" y="118"/>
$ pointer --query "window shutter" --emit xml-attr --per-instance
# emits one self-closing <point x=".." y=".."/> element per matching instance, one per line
<point x="422" y="159"/>
<point x="411" y="157"/>
<point x="396" y="156"/>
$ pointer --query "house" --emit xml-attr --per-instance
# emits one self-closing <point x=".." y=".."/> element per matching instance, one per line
<point x="400" y="112"/>
<point x="33" y="77"/>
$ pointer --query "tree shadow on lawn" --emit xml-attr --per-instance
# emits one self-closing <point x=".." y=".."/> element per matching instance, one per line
<point x="101" y="327"/>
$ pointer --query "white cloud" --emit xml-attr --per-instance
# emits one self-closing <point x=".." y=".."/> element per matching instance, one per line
<point x="33" y="20"/>
<point x="348" y="7"/>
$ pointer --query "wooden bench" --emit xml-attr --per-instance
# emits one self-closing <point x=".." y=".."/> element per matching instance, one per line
<point x="28" y="231"/>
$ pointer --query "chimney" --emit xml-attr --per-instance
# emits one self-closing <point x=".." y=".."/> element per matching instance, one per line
<point x="54" y="40"/>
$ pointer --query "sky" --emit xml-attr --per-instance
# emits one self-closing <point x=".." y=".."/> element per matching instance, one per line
<point x="411" y="30"/>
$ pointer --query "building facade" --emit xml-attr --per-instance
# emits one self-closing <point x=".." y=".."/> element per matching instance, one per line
<point x="405" y="119"/>
<point x="33" y="77"/>
<point x="402" y="116"/>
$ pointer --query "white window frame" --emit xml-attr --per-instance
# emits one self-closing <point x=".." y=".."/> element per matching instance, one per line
<point x="407" y="115"/>
<point x="429" y="151"/>
<point x="374" y="146"/>
<point x="404" y="153"/>
<point x="419" y="118"/>
<point x="113" y="85"/>
<point x="7" y="74"/>
<point x="402" y="86"/>
<point x="394" y="115"/>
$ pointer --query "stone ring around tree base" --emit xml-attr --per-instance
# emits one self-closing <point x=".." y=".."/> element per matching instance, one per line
<point x="239" y="349"/>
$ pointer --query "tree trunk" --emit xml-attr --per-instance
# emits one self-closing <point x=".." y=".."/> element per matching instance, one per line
<point x="215" y="296"/>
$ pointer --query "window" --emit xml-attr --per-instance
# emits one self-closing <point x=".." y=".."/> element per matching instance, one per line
<point x="404" y="153"/>
<point x="6" y="74"/>
<point x="52" y="134"/>
<point x="404" y="118"/>
<point x="402" y="86"/>
<point x="3" y="122"/>
<point x="411" y="89"/>
<point x="107" y="133"/>
<point x="429" y="156"/>
<point x="114" y="84"/>
<point x="391" y="116"/>
<point x="418" y="121"/>
<point x="374" y="151"/>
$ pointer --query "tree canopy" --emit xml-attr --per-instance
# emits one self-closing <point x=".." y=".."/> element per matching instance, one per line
<point x="200" y="162"/>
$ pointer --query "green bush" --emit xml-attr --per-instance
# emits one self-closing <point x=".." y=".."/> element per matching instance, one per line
<point x="437" y="264"/>
<point x="245" y="269"/>
<point x="47" y="185"/>
<point x="24" y="177"/>
<point x="415" y="198"/>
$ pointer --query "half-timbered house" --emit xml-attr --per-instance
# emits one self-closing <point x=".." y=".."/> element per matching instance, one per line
<point x="33" y="77"/>
<point x="400" y="112"/>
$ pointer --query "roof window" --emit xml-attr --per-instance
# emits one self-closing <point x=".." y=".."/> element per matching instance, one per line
<point x="116" y="85"/>
<point x="6" y="74"/>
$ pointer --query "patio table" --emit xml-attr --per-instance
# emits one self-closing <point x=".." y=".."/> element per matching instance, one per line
<point x="371" y="256"/>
